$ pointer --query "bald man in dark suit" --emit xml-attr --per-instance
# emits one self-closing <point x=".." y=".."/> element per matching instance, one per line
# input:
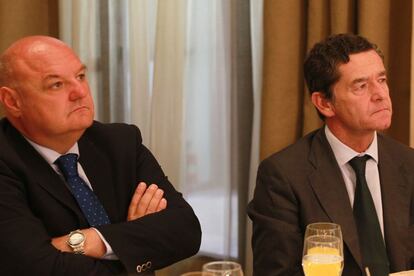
<point x="112" y="211"/>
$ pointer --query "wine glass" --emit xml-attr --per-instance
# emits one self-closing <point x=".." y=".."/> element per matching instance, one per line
<point x="324" y="229"/>
<point x="197" y="273"/>
<point x="223" y="268"/>
<point x="323" y="250"/>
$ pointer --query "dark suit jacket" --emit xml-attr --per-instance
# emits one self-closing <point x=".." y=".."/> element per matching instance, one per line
<point x="303" y="184"/>
<point x="35" y="205"/>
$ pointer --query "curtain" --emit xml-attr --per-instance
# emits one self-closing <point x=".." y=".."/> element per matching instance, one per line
<point x="181" y="71"/>
<point x="256" y="23"/>
<point x="167" y="108"/>
<point x="412" y="84"/>
<point x="218" y="122"/>
<point x="142" y="30"/>
<point x="16" y="21"/>
<point x="79" y="27"/>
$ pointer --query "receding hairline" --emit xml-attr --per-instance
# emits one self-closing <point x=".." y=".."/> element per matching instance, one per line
<point x="20" y="50"/>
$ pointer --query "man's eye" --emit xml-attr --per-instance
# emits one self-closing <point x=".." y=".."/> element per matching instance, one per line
<point x="56" y="85"/>
<point x="81" y="77"/>
<point x="382" y="80"/>
<point x="360" y="86"/>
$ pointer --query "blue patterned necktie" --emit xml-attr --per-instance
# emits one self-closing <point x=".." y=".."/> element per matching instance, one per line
<point x="86" y="198"/>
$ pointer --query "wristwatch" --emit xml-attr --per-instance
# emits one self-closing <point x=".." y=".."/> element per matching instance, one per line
<point x="76" y="241"/>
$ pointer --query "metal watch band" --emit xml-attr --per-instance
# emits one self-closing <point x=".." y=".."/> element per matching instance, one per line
<point x="77" y="248"/>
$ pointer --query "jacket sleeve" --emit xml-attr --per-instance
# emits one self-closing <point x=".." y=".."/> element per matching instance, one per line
<point x="25" y="246"/>
<point x="161" y="238"/>
<point x="277" y="237"/>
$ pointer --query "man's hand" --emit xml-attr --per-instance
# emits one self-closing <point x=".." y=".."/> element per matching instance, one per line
<point x="146" y="201"/>
<point x="93" y="247"/>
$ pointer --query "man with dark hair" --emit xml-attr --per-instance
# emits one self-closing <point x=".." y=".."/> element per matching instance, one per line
<point x="77" y="196"/>
<point x="346" y="172"/>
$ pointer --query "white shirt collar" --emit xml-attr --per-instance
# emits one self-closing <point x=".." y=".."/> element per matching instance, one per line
<point x="50" y="155"/>
<point x="343" y="153"/>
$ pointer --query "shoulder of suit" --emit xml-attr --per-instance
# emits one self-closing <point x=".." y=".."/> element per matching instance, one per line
<point x="112" y="128"/>
<point x="113" y="133"/>
<point x="394" y="147"/>
<point x="296" y="153"/>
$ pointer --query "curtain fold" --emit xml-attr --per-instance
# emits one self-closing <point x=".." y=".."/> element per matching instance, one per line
<point x="181" y="71"/>
<point x="80" y="29"/>
<point x="412" y="83"/>
<point x="142" y="30"/>
<point x="284" y="36"/>
<point x="206" y="166"/>
<point x="19" y="18"/>
<point x="167" y="97"/>
<point x="256" y="33"/>
<point x="241" y="117"/>
<point x="399" y="68"/>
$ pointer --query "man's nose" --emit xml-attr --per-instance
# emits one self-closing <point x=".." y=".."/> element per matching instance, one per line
<point x="78" y="90"/>
<point x="379" y="91"/>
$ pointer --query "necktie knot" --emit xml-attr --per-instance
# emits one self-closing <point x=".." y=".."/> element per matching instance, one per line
<point x="68" y="165"/>
<point x="358" y="163"/>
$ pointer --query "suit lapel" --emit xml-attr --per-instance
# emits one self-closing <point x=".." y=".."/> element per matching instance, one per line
<point x="395" y="201"/>
<point x="94" y="163"/>
<point x="40" y="172"/>
<point x="98" y="168"/>
<point x="329" y="187"/>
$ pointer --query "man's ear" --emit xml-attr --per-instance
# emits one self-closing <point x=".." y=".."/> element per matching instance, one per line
<point x="324" y="105"/>
<point x="10" y="100"/>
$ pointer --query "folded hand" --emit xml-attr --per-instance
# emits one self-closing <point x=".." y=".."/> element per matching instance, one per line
<point x="146" y="201"/>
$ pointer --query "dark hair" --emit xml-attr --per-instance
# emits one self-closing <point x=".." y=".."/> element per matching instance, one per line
<point x="321" y="64"/>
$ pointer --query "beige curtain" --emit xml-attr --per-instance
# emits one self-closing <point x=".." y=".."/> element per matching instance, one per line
<point x="19" y="18"/>
<point x="292" y="27"/>
<point x="412" y="85"/>
<point x="80" y="30"/>
<point x="256" y="25"/>
<point x="142" y="33"/>
<point x="167" y="97"/>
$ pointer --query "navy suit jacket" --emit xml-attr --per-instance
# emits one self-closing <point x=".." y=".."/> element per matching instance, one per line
<point x="36" y="205"/>
<point x="303" y="184"/>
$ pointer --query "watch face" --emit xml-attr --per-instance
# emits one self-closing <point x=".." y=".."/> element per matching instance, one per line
<point x="76" y="238"/>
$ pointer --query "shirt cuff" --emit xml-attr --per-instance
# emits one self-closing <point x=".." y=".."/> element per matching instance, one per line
<point x="109" y="255"/>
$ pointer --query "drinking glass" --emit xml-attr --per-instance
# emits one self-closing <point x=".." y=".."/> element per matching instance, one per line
<point x="323" y="250"/>
<point x="223" y="268"/>
<point x="197" y="273"/>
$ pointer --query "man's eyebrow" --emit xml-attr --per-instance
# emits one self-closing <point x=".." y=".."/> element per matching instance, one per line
<point x="359" y="80"/>
<point x="56" y="76"/>
<point x="382" y="73"/>
<point x="83" y="67"/>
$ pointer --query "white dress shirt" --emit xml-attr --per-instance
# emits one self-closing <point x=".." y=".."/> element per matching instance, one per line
<point x="50" y="156"/>
<point x="343" y="155"/>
